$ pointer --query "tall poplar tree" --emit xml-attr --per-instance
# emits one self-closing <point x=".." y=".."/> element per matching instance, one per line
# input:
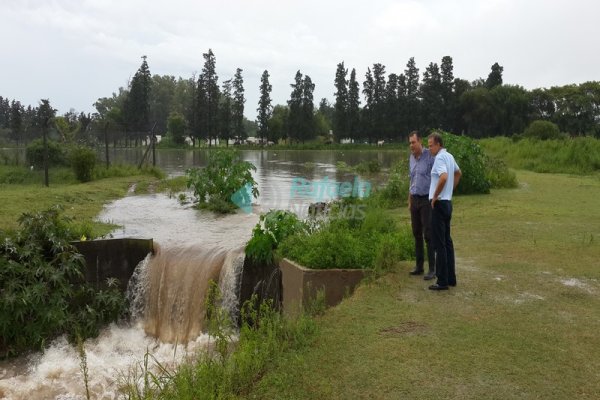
<point x="448" y="99"/>
<point x="238" y="105"/>
<point x="137" y="102"/>
<point x="379" y="103"/>
<point x="225" y="112"/>
<point x="340" y="118"/>
<point x="412" y="104"/>
<point x="431" y="94"/>
<point x="264" y="106"/>
<point x="16" y="122"/>
<point x="308" y="109"/>
<point x="369" y="108"/>
<point x="495" y="77"/>
<point x="353" y="106"/>
<point x="295" y="106"/>
<point x="211" y="87"/>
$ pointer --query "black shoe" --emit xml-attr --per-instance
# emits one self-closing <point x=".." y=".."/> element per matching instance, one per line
<point x="438" y="287"/>
<point x="452" y="284"/>
<point x="430" y="275"/>
<point x="416" y="271"/>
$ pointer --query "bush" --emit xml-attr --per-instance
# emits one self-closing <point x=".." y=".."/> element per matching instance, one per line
<point x="395" y="193"/>
<point x="543" y="130"/>
<point x="367" y="240"/>
<point x="272" y="228"/>
<point x="56" y="154"/>
<point x="500" y="177"/>
<point x="224" y="177"/>
<point x="471" y="160"/>
<point x="43" y="293"/>
<point x="83" y="162"/>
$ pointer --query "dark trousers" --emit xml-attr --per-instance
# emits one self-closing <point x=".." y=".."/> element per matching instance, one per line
<point x="442" y="243"/>
<point x="420" y="218"/>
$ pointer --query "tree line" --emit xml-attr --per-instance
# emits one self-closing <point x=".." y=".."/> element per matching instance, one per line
<point x="385" y="106"/>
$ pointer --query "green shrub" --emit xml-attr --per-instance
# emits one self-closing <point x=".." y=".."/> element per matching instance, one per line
<point x="43" y="293"/>
<point x="34" y="153"/>
<point x="225" y="175"/>
<point x="369" y="240"/>
<point x="83" y="162"/>
<point x="471" y="160"/>
<point x="497" y="172"/>
<point x="543" y="130"/>
<point x="395" y="192"/>
<point x="368" y="167"/>
<point x="272" y="228"/>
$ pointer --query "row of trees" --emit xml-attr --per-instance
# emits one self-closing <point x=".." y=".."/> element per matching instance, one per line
<point x="386" y="106"/>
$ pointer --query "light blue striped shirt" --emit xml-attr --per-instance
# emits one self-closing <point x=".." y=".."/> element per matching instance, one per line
<point x="420" y="173"/>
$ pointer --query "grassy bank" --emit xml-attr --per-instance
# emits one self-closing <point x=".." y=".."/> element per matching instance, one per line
<point x="522" y="322"/>
<point x="572" y="156"/>
<point x="82" y="201"/>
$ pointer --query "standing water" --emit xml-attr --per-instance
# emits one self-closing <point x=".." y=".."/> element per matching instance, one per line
<point x="168" y="290"/>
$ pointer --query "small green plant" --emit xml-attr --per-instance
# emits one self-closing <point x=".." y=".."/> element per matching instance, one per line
<point x="225" y="175"/>
<point x="35" y="154"/>
<point x="272" y="228"/>
<point x="83" y="365"/>
<point x="497" y="172"/>
<point x="368" y="167"/>
<point x="395" y="193"/>
<point x="83" y="162"/>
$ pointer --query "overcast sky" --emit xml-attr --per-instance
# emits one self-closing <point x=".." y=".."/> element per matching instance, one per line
<point x="75" y="51"/>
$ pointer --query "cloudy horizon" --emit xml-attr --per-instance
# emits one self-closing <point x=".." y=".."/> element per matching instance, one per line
<point x="74" y="52"/>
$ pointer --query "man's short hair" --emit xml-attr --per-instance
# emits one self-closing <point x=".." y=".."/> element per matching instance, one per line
<point x="437" y="138"/>
<point x="414" y="133"/>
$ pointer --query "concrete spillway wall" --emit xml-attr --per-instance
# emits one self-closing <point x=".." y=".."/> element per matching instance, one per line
<point x="113" y="258"/>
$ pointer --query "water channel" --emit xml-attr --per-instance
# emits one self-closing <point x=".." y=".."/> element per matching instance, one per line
<point x="193" y="246"/>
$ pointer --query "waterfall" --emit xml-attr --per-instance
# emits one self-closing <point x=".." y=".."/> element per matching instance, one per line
<point x="168" y="290"/>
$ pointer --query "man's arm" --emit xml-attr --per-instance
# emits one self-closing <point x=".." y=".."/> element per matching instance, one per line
<point x="440" y="186"/>
<point x="457" y="175"/>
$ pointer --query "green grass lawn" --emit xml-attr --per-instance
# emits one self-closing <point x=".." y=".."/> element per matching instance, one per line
<point x="81" y="201"/>
<point x="522" y="323"/>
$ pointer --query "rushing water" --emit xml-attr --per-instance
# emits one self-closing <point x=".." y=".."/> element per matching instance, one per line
<point x="168" y="291"/>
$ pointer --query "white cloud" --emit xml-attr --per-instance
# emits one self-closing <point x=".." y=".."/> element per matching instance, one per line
<point x="76" y="51"/>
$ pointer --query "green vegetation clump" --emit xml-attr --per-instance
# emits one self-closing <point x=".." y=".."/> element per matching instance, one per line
<point x="500" y="177"/>
<point x="579" y="155"/>
<point x="43" y="292"/>
<point x="395" y="192"/>
<point x="471" y="160"/>
<point x="83" y="162"/>
<point x="225" y="175"/>
<point x="358" y="234"/>
<point x="272" y="228"/>
<point x="57" y="155"/>
<point x="543" y="130"/>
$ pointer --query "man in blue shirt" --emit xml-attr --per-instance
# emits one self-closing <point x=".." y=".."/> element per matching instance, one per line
<point x="445" y="175"/>
<point x="420" y="163"/>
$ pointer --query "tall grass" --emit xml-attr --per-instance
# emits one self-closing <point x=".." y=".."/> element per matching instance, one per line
<point x="19" y="175"/>
<point x="228" y="368"/>
<point x="578" y="156"/>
